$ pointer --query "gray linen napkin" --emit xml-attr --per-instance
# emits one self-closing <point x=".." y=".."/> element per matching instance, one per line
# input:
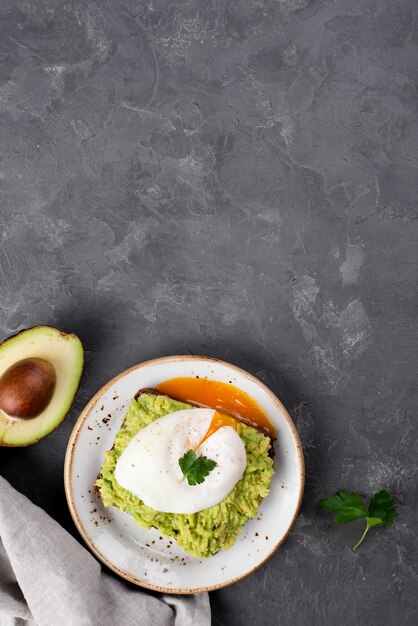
<point x="48" y="579"/>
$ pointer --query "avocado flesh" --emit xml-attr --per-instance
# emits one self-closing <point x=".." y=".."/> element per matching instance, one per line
<point x="65" y="352"/>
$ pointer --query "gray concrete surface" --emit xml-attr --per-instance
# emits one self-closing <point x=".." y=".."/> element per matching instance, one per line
<point x="235" y="179"/>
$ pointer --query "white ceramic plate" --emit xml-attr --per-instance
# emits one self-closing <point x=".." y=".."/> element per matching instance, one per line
<point x="142" y="556"/>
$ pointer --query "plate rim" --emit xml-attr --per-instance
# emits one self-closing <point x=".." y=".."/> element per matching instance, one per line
<point x="69" y="457"/>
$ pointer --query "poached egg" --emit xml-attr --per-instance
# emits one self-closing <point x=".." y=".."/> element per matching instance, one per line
<point x="149" y="465"/>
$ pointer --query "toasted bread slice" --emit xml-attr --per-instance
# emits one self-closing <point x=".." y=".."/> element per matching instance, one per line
<point x="200" y="534"/>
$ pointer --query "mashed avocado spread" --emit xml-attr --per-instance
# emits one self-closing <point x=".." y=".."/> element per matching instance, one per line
<point x="204" y="533"/>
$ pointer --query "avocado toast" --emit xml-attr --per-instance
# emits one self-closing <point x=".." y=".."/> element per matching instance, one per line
<point x="200" y="534"/>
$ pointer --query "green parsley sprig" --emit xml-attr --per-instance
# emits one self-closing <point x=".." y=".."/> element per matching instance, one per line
<point x="195" y="468"/>
<point x="349" y="506"/>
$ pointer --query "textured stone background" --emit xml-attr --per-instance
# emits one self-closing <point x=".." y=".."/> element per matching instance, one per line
<point x="236" y="179"/>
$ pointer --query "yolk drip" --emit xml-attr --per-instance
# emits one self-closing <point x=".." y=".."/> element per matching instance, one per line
<point x="218" y="421"/>
<point x="224" y="397"/>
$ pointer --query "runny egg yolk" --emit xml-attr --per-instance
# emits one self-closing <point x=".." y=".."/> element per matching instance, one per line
<point x="226" y="398"/>
<point x="218" y="421"/>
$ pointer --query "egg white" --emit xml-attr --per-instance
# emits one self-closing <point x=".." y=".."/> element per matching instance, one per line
<point x="149" y="468"/>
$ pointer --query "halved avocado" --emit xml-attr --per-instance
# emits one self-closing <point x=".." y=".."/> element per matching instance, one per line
<point x="40" y="371"/>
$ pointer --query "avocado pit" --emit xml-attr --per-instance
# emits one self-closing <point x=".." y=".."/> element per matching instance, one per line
<point x="26" y="388"/>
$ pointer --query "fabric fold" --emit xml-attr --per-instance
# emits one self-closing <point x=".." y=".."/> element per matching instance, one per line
<point x="47" y="578"/>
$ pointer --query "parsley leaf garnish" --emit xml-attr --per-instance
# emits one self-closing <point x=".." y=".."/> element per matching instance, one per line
<point x="349" y="506"/>
<point x="195" y="468"/>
